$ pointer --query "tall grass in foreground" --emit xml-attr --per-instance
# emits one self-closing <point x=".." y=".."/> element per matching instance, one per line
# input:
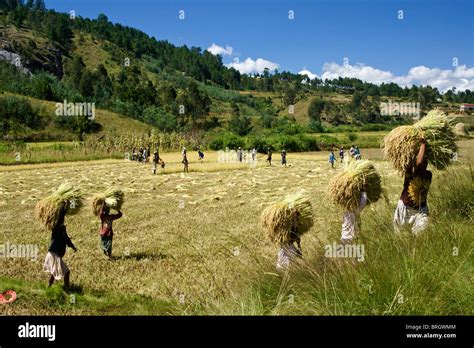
<point x="431" y="274"/>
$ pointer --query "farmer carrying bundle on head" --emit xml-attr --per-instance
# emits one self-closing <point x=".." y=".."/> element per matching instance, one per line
<point x="185" y="160"/>
<point x="101" y="205"/>
<point x="54" y="263"/>
<point x="355" y="187"/>
<point x="51" y="212"/>
<point x="283" y="158"/>
<point x="106" y="230"/>
<point x="412" y="207"/>
<point x="409" y="149"/>
<point x="284" y="223"/>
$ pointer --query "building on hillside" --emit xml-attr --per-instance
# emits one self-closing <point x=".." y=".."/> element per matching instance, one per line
<point x="466" y="107"/>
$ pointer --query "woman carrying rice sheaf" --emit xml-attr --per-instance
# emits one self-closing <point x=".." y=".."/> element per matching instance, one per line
<point x="412" y="208"/>
<point x="106" y="231"/>
<point x="54" y="263"/>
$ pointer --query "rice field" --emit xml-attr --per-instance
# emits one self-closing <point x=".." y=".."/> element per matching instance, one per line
<point x="188" y="243"/>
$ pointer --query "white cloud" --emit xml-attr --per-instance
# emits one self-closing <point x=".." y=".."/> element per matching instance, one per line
<point x="461" y="77"/>
<point x="216" y="49"/>
<point x="308" y="73"/>
<point x="250" y="66"/>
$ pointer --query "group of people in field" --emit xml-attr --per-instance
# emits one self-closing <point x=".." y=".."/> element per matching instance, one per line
<point x="407" y="213"/>
<point x="354" y="152"/>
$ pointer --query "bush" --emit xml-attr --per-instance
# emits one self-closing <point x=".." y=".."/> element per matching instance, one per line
<point x="352" y="137"/>
<point x="17" y="115"/>
<point x="276" y="142"/>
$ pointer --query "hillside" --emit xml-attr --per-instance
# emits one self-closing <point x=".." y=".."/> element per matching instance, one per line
<point x="49" y="56"/>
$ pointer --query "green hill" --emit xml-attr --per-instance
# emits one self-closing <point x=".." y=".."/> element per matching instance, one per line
<point x="49" y="56"/>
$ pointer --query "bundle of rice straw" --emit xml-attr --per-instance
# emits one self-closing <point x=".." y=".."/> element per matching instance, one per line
<point x="402" y="144"/>
<point x="48" y="209"/>
<point x="112" y="197"/>
<point x="460" y="130"/>
<point x="418" y="190"/>
<point x="345" y="188"/>
<point x="294" y="215"/>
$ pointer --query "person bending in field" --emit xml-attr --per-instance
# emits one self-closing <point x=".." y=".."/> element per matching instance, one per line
<point x="53" y="263"/>
<point x="283" y="158"/>
<point x="269" y="157"/>
<point x="357" y="154"/>
<point x="185" y="160"/>
<point x="409" y="213"/>
<point x="288" y="252"/>
<point x="106" y="231"/>
<point x="351" y="222"/>
<point x="200" y="154"/>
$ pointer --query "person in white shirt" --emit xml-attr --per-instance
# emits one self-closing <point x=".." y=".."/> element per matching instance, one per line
<point x="351" y="223"/>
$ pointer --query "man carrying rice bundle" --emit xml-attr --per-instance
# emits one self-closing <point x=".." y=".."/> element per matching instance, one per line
<point x="358" y="185"/>
<point x="410" y="149"/>
<point x="285" y="223"/>
<point x="412" y="207"/>
<point x="51" y="212"/>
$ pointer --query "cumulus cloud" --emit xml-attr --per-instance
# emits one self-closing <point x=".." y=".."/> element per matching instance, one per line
<point x="216" y="49"/>
<point x="308" y="73"/>
<point x="250" y="66"/>
<point x="461" y="77"/>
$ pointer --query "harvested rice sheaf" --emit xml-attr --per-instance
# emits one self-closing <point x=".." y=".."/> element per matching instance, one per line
<point x="48" y="209"/>
<point x="112" y="197"/>
<point x="402" y="144"/>
<point x="294" y="215"/>
<point x="418" y="190"/>
<point x="345" y="188"/>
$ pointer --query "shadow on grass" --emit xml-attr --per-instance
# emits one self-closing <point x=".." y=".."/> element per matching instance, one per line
<point x="141" y="256"/>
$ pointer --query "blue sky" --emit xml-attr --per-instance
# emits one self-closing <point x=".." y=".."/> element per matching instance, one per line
<point x="431" y="34"/>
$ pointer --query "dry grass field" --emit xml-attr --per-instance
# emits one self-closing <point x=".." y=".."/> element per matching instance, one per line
<point x="188" y="243"/>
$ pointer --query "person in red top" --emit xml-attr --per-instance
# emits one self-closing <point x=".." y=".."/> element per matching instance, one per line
<point x="106" y="231"/>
